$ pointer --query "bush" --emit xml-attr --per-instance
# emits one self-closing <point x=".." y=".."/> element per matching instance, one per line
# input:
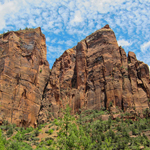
<point x="50" y="131"/>
<point x="134" y="132"/>
<point x="130" y="121"/>
<point x="18" y="136"/>
<point x="36" y="132"/>
<point x="5" y="122"/>
<point x="29" y="129"/>
<point x="49" y="142"/>
<point x="14" y="146"/>
<point x="118" y="128"/>
<point x="9" y="132"/>
<point x="118" y="119"/>
<point x="13" y="125"/>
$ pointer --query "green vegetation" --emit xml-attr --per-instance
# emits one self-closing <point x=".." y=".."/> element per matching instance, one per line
<point x="87" y="132"/>
<point x="40" y="70"/>
<point x="26" y="28"/>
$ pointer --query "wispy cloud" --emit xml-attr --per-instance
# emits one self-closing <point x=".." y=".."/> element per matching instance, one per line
<point x="123" y="43"/>
<point x="48" y="39"/>
<point x="145" y="46"/>
<point x="77" y="18"/>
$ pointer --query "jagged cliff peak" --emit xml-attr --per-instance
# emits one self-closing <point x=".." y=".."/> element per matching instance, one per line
<point x="97" y="75"/>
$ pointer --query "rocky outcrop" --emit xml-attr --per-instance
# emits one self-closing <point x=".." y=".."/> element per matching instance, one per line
<point x="24" y="73"/>
<point x="97" y="74"/>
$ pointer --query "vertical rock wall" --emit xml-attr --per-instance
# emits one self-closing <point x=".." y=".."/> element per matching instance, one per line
<point x="24" y="72"/>
<point x="100" y="76"/>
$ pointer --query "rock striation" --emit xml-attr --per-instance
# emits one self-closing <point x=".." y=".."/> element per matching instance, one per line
<point x="24" y="73"/>
<point x="95" y="74"/>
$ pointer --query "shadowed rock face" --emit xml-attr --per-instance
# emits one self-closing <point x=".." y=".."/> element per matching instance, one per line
<point x="96" y="74"/>
<point x="24" y="72"/>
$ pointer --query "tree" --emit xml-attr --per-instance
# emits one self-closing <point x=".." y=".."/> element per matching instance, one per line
<point x="72" y="135"/>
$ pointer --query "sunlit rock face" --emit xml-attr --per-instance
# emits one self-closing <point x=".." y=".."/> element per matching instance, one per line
<point x="24" y="73"/>
<point x="97" y="74"/>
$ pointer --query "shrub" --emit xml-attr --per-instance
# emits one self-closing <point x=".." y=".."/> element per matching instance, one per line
<point x="14" y="146"/>
<point x="130" y="121"/>
<point x="18" y="136"/>
<point x="118" y="119"/>
<point x="49" y="142"/>
<point x="134" y="132"/>
<point x="36" y="132"/>
<point x="5" y="122"/>
<point x="29" y="129"/>
<point x="118" y="128"/>
<point x="9" y="132"/>
<point x="13" y="125"/>
<point x="50" y="131"/>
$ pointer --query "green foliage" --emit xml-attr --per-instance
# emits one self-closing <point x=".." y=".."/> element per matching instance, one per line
<point x="56" y="122"/>
<point x="10" y="132"/>
<point x="16" y="145"/>
<point x="110" y="104"/>
<point x="36" y="132"/>
<point x="49" y="142"/>
<point x="69" y="137"/>
<point x="118" y="119"/>
<point x="50" y="131"/>
<point x="79" y="134"/>
<point x="2" y="146"/>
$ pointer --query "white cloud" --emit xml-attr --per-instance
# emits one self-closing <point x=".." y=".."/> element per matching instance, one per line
<point x="61" y="42"/>
<point x="54" y="52"/>
<point x="47" y="39"/>
<point x="32" y="23"/>
<point x="69" y="43"/>
<point x="123" y="43"/>
<point x="53" y="41"/>
<point x="145" y="46"/>
<point x="77" y="18"/>
<point x="9" y="7"/>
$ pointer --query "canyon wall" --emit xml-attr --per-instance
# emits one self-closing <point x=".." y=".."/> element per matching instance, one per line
<point x="24" y="73"/>
<point x="95" y="74"/>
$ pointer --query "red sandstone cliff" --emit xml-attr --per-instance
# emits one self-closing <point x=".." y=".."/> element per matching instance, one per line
<point x="24" y="72"/>
<point x="97" y="74"/>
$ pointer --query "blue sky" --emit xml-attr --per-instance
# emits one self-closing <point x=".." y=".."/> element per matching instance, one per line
<point x="66" y="22"/>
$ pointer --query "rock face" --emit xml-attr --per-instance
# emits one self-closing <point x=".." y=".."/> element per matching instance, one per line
<point x="97" y="74"/>
<point x="24" y="73"/>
